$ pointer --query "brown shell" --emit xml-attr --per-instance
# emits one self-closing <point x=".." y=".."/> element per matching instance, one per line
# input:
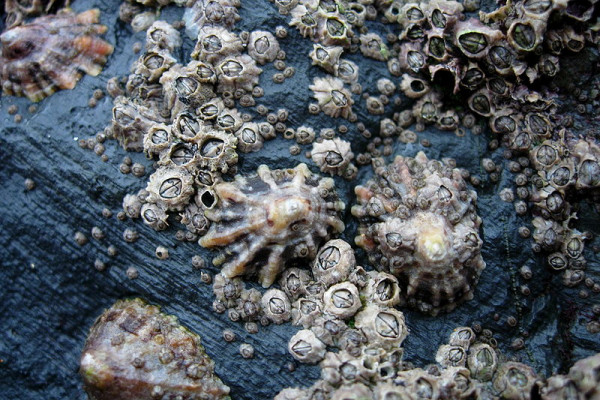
<point x="52" y="53"/>
<point x="269" y="218"/>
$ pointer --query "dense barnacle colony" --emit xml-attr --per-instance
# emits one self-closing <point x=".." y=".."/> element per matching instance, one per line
<point x="52" y="53"/>
<point x="135" y="351"/>
<point x="418" y="221"/>
<point x="264" y="219"/>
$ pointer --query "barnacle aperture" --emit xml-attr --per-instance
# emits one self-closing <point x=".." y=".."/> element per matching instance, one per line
<point x="276" y="214"/>
<point x="52" y="53"/>
<point x="134" y="351"/>
<point x="418" y="221"/>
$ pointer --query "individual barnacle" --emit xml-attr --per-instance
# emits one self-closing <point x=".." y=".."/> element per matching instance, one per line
<point x="346" y="368"/>
<point x="237" y="72"/>
<point x="332" y="156"/>
<point x="448" y="120"/>
<point x="170" y="187"/>
<point x="414" y="87"/>
<point x="305" y="20"/>
<point x="384" y="328"/>
<point x="249" y="305"/>
<point x="382" y="289"/>
<point x="451" y="356"/>
<point x="462" y="336"/>
<point x="276" y="306"/>
<point x="525" y="35"/>
<point x="411" y="57"/>
<point x="444" y="14"/>
<point x="346" y="70"/>
<point x="334" y="262"/>
<point x="481" y="103"/>
<point x="341" y="300"/>
<point x="184" y="89"/>
<point x="132" y="205"/>
<point x="227" y="291"/>
<point x="161" y="36"/>
<point x="216" y="151"/>
<point x="153" y="64"/>
<point x="482" y="361"/>
<point x="375" y="106"/>
<point x="410" y="13"/>
<point x="305" y="347"/>
<point x="193" y="214"/>
<point x="548" y="233"/>
<point x="326" y="57"/>
<point x="157" y="139"/>
<point x="371" y="45"/>
<point x="388" y="390"/>
<point x="427" y="109"/>
<point x="135" y="350"/>
<point x="262" y="46"/>
<point x="456" y="383"/>
<point x="284" y="6"/>
<point x="229" y="120"/>
<point x="584" y="373"/>
<point x="420" y="382"/>
<point x="334" y="100"/>
<point x="154" y="216"/>
<point x="386" y="86"/>
<point x="304" y="135"/>
<point x="293" y="282"/>
<point x="333" y="30"/>
<point x="515" y="380"/>
<point x="284" y="215"/>
<point x="328" y="329"/>
<point x="215" y="43"/>
<point x="33" y="59"/>
<point x="572" y="40"/>
<point x="473" y="38"/>
<point x="418" y="221"/>
<point x="305" y="312"/>
<point x="249" y="137"/>
<point x="187" y="128"/>
<point x="210" y="12"/>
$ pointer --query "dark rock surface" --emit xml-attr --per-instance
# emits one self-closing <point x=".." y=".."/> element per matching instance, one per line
<point x="50" y="292"/>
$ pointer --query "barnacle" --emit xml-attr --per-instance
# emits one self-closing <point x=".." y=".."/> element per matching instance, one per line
<point x="515" y="380"/>
<point x="333" y="98"/>
<point x="134" y="350"/>
<point x="237" y="72"/>
<point x="277" y="215"/>
<point x="418" y="221"/>
<point x="170" y="187"/>
<point x="52" y="53"/>
<point x="332" y="156"/>
<point x="326" y="57"/>
<point x="215" y="43"/>
<point x="262" y="46"/>
<point x="210" y="12"/>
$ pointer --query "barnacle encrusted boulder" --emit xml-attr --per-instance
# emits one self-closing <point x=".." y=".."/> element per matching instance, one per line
<point x="418" y="221"/>
<point x="264" y="220"/>
<point x="134" y="351"/>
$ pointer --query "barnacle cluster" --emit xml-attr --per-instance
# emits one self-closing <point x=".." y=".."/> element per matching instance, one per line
<point x="418" y="222"/>
<point x="51" y="52"/>
<point x="135" y="351"/>
<point x="17" y="10"/>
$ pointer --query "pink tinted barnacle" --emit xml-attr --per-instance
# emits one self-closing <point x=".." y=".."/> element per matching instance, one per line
<point x="285" y="215"/>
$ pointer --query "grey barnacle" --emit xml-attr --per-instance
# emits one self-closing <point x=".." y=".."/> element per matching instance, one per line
<point x="170" y="187"/>
<point x="276" y="214"/>
<point x="237" y="72"/>
<point x="514" y="380"/>
<point x="326" y="57"/>
<point x="334" y="100"/>
<point x="262" y="46"/>
<point x="215" y="43"/>
<point x="418" y="221"/>
<point x="332" y="156"/>
<point x="210" y="12"/>
<point x="384" y="328"/>
<point x="216" y="151"/>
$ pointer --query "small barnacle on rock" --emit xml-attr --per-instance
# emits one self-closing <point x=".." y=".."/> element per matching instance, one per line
<point x="418" y="221"/>
<point x="170" y="187"/>
<point x="326" y="57"/>
<point x="334" y="262"/>
<point x="237" y="72"/>
<point x="305" y="347"/>
<point x="276" y="306"/>
<point x="215" y="43"/>
<point x="277" y="215"/>
<point x="371" y="45"/>
<point x="382" y="289"/>
<point x="52" y="53"/>
<point x="414" y="87"/>
<point x="384" y="328"/>
<point x="135" y="351"/>
<point x="304" y="20"/>
<point x="210" y="12"/>
<point x="262" y="46"/>
<point x="514" y="380"/>
<point x="342" y="300"/>
<point x="332" y="156"/>
<point x="346" y="70"/>
<point x="334" y="100"/>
